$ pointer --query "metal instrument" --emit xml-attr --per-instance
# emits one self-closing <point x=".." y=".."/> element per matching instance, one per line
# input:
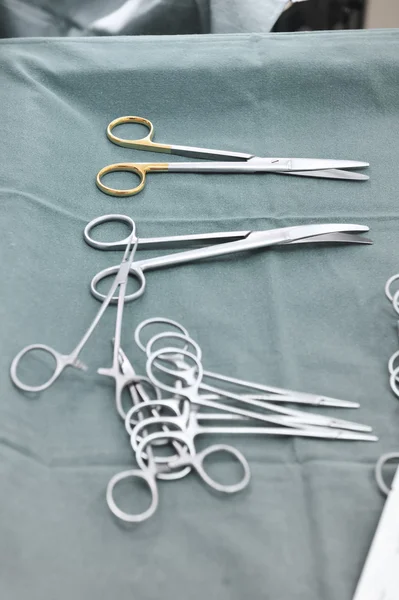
<point x="165" y="467"/>
<point x="246" y="241"/>
<point x="274" y="394"/>
<point x="62" y="361"/>
<point x="130" y="267"/>
<point x="393" y="366"/>
<point x="190" y="377"/>
<point x="379" y="468"/>
<point x="178" y="420"/>
<point x="178" y="417"/>
<point x="223" y="161"/>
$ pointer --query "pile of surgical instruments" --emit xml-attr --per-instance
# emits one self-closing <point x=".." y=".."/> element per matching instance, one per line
<point x="178" y="406"/>
<point x="212" y="245"/>
<point x="393" y="363"/>
<point x="179" y="400"/>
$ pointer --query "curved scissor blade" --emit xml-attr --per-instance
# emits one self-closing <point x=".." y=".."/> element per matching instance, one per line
<point x="255" y="240"/>
<point x="333" y="238"/>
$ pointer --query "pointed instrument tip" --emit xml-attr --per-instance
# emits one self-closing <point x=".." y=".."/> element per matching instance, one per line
<point x="354" y="239"/>
<point x="334" y="402"/>
<point x="359" y="164"/>
<point x="353" y="436"/>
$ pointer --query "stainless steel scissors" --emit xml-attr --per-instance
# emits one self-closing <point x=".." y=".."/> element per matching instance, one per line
<point x="225" y="161"/>
<point x="250" y="241"/>
<point x="129" y="267"/>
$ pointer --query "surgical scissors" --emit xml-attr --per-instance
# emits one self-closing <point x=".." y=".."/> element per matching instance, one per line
<point x="62" y="361"/>
<point x="225" y="161"/>
<point x="252" y="240"/>
<point x="136" y="268"/>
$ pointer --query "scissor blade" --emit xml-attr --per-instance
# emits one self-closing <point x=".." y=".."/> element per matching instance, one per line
<point x="198" y="240"/>
<point x="256" y="239"/>
<point x="334" y="238"/>
<point x="313" y="164"/>
<point x="219" y="237"/>
<point x="329" y="174"/>
<point x="287" y="165"/>
<point x="191" y="240"/>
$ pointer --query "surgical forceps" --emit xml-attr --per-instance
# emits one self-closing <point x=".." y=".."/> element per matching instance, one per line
<point x="62" y="361"/>
<point x="274" y="394"/>
<point x="191" y="383"/>
<point x="171" y="467"/>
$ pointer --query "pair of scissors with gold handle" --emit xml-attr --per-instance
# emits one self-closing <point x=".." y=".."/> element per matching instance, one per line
<point x="216" y="161"/>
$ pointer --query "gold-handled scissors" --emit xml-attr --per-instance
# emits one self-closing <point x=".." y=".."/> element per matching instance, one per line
<point x="222" y="161"/>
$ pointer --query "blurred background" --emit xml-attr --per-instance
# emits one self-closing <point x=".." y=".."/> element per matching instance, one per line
<point x="27" y="18"/>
